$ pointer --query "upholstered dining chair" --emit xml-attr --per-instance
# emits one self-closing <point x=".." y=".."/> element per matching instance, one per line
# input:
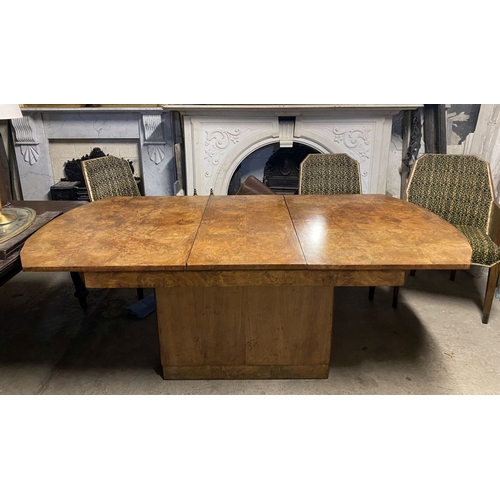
<point x="459" y="189"/>
<point x="105" y="177"/>
<point x="329" y="174"/>
<point x="109" y="176"/>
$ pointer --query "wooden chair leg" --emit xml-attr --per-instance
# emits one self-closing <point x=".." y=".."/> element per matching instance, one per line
<point x="81" y="291"/>
<point x="371" y="292"/>
<point x="490" y="291"/>
<point x="395" y="294"/>
<point x="452" y="275"/>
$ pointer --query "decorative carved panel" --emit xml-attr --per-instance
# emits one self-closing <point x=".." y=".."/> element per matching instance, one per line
<point x="154" y="138"/>
<point x="216" y="144"/>
<point x="356" y="141"/>
<point x="25" y="138"/>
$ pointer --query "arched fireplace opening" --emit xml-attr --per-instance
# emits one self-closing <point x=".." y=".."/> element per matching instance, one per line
<point x="277" y="168"/>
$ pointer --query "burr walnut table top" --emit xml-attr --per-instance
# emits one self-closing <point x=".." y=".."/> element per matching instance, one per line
<point x="246" y="232"/>
<point x="136" y="234"/>
<point x="118" y="234"/>
<point x="374" y="232"/>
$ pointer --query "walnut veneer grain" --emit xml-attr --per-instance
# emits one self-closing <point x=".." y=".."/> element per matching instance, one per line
<point x="246" y="232"/>
<point x="148" y="234"/>
<point x="301" y="277"/>
<point x="244" y="326"/>
<point x="374" y="232"/>
<point x="118" y="234"/>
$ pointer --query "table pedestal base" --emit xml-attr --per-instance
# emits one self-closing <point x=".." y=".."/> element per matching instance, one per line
<point x="245" y="332"/>
<point x="245" y="324"/>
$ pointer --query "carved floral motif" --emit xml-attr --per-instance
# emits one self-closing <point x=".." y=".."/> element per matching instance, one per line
<point x="216" y="144"/>
<point x="357" y="141"/>
<point x="217" y="141"/>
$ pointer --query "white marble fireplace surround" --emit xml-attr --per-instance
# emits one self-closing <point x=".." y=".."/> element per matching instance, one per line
<point x="219" y="137"/>
<point x="149" y="128"/>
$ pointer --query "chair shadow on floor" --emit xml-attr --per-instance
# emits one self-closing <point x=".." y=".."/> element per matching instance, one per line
<point x="111" y="337"/>
<point x="365" y="331"/>
<point x="439" y="283"/>
<point x="57" y="332"/>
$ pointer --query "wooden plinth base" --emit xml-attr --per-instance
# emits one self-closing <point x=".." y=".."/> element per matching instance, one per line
<point x="244" y="372"/>
<point x="245" y="332"/>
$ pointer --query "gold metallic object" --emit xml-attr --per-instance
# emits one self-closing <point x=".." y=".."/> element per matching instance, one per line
<point x="18" y="219"/>
<point x="6" y="218"/>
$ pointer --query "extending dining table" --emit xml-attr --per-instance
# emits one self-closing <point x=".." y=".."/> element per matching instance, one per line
<point x="244" y="285"/>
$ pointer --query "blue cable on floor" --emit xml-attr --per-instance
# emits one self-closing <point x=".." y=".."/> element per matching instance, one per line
<point x="144" y="307"/>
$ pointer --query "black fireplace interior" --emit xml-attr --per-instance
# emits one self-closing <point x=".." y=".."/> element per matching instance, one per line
<point x="281" y="170"/>
<point x="73" y="187"/>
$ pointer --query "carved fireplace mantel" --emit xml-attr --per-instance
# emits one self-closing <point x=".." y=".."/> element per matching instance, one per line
<point x="219" y="137"/>
<point x="148" y="129"/>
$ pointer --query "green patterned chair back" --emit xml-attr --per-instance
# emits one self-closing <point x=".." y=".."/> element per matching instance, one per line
<point x="109" y="176"/>
<point x="329" y="174"/>
<point x="458" y="188"/>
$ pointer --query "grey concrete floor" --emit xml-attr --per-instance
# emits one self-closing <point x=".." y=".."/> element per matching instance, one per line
<point x="433" y="343"/>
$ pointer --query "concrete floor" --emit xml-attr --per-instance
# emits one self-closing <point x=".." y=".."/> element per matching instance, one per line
<point x="433" y="343"/>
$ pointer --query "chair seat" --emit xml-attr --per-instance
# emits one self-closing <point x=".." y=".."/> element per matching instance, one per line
<point x="484" y="250"/>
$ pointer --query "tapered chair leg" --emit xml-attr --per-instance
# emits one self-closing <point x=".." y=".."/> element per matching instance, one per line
<point x="452" y="275"/>
<point x="371" y="292"/>
<point x="490" y="291"/>
<point x="395" y="294"/>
